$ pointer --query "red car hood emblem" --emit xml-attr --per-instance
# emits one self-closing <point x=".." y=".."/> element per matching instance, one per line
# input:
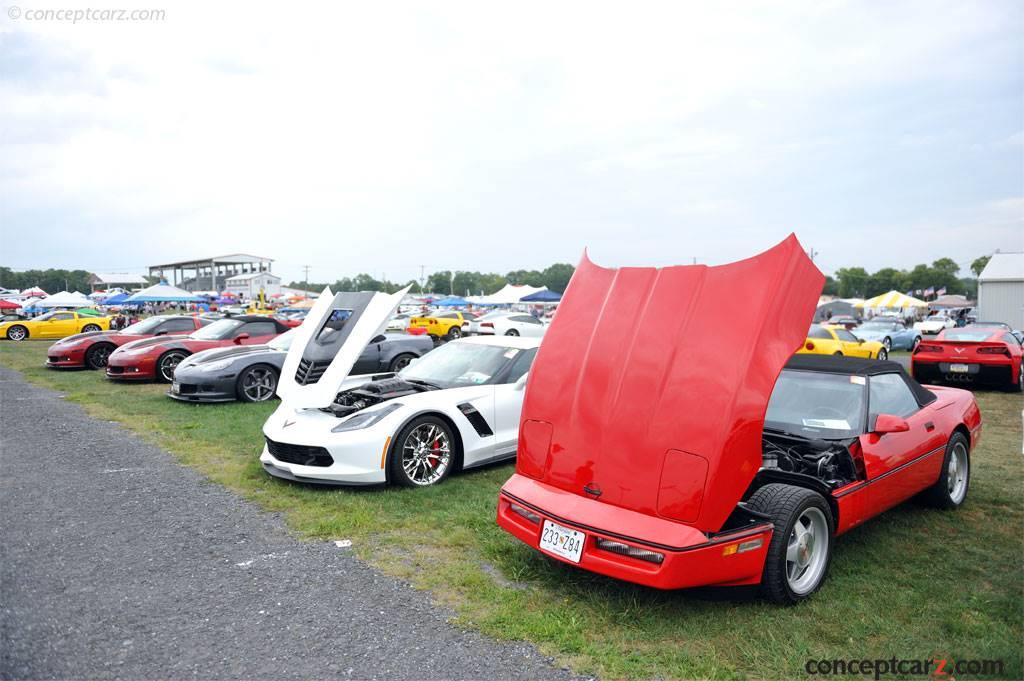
<point x="656" y="381"/>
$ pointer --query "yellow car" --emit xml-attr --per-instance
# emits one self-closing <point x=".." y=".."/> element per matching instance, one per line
<point x="445" y="325"/>
<point x="57" y="324"/>
<point x="823" y="339"/>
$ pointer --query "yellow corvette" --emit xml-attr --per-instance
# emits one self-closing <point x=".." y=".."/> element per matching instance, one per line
<point x="823" y="339"/>
<point x="445" y="325"/>
<point x="57" y="324"/>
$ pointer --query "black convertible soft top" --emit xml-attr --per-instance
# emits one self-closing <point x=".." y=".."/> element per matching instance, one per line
<point x="858" y="366"/>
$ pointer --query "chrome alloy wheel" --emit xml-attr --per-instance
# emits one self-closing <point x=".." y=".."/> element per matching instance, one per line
<point x="957" y="472"/>
<point x="16" y="333"/>
<point x="169" y="363"/>
<point x="426" y="454"/>
<point x="807" y="551"/>
<point x="259" y="384"/>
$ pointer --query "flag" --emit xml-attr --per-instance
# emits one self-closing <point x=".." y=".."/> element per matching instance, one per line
<point x="910" y="292"/>
<point x="941" y="291"/>
<point x="917" y="292"/>
<point x="930" y="291"/>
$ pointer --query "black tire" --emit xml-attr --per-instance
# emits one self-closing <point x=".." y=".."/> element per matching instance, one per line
<point x="17" y="333"/>
<point x="165" y="365"/>
<point x="940" y="494"/>
<point x="89" y="328"/>
<point x="915" y="343"/>
<point x="887" y="343"/>
<point x="403" y="448"/>
<point x="454" y="333"/>
<point x="97" y="355"/>
<point x="785" y="505"/>
<point x="401" y="361"/>
<point x="257" y="383"/>
<point x="511" y="332"/>
<point x="883" y="354"/>
<point x="1020" y="381"/>
<point x="838" y="354"/>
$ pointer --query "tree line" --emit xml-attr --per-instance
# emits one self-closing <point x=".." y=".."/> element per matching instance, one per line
<point x="855" y="282"/>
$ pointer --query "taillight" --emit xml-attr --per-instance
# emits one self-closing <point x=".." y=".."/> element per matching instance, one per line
<point x="488" y="325"/>
<point x="809" y="345"/>
<point x="922" y="347"/>
<point x="994" y="351"/>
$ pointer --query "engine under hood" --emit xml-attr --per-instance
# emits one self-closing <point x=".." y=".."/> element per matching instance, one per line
<point x="650" y="389"/>
<point x="329" y="341"/>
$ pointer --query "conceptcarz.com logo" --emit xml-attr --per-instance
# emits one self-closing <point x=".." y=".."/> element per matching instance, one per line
<point x="938" y="668"/>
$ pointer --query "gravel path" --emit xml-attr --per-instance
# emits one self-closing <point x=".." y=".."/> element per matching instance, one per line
<point x="118" y="563"/>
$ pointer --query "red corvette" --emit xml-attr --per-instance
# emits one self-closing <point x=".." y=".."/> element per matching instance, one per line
<point x="155" y="358"/>
<point x="682" y="457"/>
<point x="91" y="350"/>
<point x="978" y="354"/>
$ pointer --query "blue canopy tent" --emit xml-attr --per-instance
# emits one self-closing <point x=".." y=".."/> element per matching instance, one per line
<point x="116" y="299"/>
<point x="544" y="296"/>
<point x="452" y="301"/>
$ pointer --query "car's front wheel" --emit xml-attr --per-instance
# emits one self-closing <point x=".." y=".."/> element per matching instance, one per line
<point x="257" y="383"/>
<point x="424" y="453"/>
<point x="801" y="547"/>
<point x="89" y="328"/>
<point x="167" y="363"/>
<point x="950" y="490"/>
<point x="96" y="357"/>
<point x="17" y="333"/>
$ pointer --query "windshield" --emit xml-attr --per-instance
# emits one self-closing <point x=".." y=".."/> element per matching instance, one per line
<point x="282" y="342"/>
<point x="222" y="329"/>
<point x="967" y="334"/>
<point x="44" y="317"/>
<point x="817" y="405"/>
<point x="144" y="327"/>
<point x="460" y="364"/>
<point x="878" y="325"/>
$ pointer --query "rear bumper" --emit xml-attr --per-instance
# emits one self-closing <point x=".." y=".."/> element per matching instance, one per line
<point x="991" y="373"/>
<point x="691" y="558"/>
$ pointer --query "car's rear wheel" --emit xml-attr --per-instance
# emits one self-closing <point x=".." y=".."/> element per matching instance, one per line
<point x="1020" y="380"/>
<point x="96" y="357"/>
<point x="950" y="490"/>
<point x="400" y="362"/>
<point x="887" y="343"/>
<point x="167" y="363"/>
<point x="917" y="341"/>
<point x="511" y="332"/>
<point x="801" y="547"/>
<point x="424" y="454"/>
<point x="257" y="383"/>
<point x="883" y="353"/>
<point x="17" y="333"/>
<point x="89" y="328"/>
<point x="454" y="333"/>
<point x="837" y="353"/>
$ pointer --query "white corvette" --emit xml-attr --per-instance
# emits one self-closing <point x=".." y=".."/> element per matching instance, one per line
<point x="456" y="407"/>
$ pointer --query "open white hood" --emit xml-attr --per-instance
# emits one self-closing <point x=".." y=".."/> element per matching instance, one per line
<point x="329" y="341"/>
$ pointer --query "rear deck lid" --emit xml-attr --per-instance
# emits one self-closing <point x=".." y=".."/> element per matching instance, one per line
<point x="328" y="343"/>
<point x="650" y="388"/>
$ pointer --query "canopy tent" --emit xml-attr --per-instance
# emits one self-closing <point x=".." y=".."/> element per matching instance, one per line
<point x="8" y="305"/>
<point x="452" y="301"/>
<point x="508" y="295"/>
<point x="893" y="300"/>
<point x="544" y="296"/>
<point x="65" y="299"/>
<point x="952" y="300"/>
<point x="306" y="304"/>
<point x="163" y="293"/>
<point x="34" y="292"/>
<point x="116" y="299"/>
<point x="89" y="312"/>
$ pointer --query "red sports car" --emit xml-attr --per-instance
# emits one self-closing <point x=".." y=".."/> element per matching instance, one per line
<point x="682" y="457"/>
<point x="91" y="350"/>
<point x="155" y="358"/>
<point x="979" y="354"/>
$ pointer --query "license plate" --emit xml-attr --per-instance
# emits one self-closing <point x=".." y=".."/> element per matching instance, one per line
<point x="562" y="541"/>
<point x="175" y="388"/>
<point x="959" y="368"/>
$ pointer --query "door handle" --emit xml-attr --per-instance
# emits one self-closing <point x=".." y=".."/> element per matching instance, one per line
<point x="929" y="426"/>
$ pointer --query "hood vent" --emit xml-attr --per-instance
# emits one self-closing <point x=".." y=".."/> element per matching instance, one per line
<point x="310" y="371"/>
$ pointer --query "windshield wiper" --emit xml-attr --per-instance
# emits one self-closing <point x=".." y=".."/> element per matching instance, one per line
<point x="417" y="381"/>
<point x="780" y="431"/>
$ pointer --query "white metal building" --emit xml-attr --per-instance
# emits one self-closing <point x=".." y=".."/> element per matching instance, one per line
<point x="249" y="285"/>
<point x="1001" y="290"/>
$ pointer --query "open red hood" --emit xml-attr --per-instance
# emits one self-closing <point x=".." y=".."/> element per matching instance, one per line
<point x="651" y="385"/>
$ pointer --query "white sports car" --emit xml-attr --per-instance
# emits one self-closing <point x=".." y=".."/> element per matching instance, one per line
<point x="934" y="323"/>
<point x="456" y="407"/>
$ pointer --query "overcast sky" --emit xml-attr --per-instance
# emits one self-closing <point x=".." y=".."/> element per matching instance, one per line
<point x="495" y="136"/>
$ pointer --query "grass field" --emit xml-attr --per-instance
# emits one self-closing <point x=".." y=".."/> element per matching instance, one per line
<point x="915" y="583"/>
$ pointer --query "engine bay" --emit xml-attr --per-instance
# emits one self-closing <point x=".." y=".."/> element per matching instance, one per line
<point x="830" y="461"/>
<point x="376" y="391"/>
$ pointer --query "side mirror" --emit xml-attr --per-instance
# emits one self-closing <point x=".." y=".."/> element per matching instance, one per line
<point x="160" y="333"/>
<point x="241" y="337"/>
<point x="887" y="423"/>
<point x="520" y="383"/>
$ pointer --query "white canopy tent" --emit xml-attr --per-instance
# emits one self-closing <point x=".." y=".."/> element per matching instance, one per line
<point x="508" y="295"/>
<point x="163" y="293"/>
<point x="65" y="299"/>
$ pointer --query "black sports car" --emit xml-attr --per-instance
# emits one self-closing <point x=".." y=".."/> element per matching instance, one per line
<point x="250" y="373"/>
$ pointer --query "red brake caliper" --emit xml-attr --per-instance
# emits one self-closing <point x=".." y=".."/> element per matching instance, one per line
<point x="434" y="448"/>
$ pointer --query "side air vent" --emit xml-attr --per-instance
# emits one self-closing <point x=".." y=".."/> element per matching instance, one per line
<point x="476" y="419"/>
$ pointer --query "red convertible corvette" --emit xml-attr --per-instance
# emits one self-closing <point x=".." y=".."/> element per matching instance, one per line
<point x="155" y="358"/>
<point x="977" y="354"/>
<point x="91" y="350"/>
<point x="682" y="457"/>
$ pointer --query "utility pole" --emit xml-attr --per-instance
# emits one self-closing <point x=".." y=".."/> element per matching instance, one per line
<point x="305" y="281"/>
<point x="423" y="277"/>
<point x="812" y="254"/>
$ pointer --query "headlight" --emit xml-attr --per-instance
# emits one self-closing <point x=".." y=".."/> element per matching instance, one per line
<point x="215" y="366"/>
<point x="365" y="419"/>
